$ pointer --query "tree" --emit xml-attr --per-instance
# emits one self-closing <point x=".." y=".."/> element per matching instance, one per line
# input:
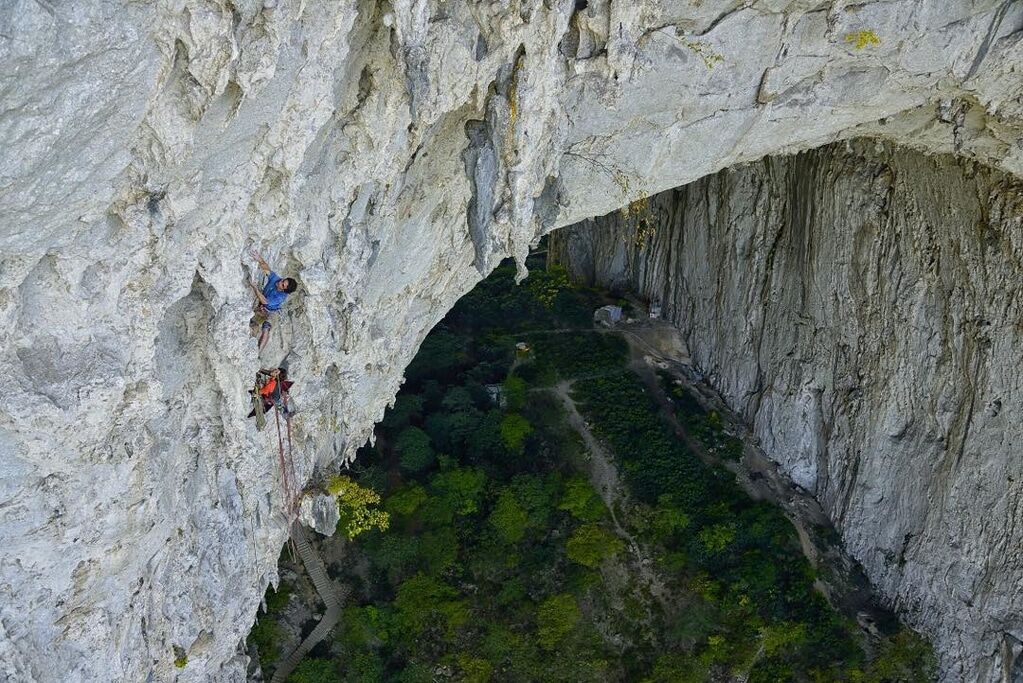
<point x="405" y="500"/>
<point x="515" y="392"/>
<point x="423" y="600"/>
<point x="667" y="519"/>
<point x="581" y="501"/>
<point x="904" y="658"/>
<point x="353" y="504"/>
<point x="414" y="451"/>
<point x="458" y="400"/>
<point x="461" y="488"/>
<point x="514" y="430"/>
<point x="475" y="669"/>
<point x="406" y="408"/>
<point x="556" y="618"/>
<point x="717" y="537"/>
<point x="315" y="671"/>
<point x="508" y="518"/>
<point x="589" y="545"/>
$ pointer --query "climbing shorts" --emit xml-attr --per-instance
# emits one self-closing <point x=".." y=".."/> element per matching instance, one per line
<point x="262" y="317"/>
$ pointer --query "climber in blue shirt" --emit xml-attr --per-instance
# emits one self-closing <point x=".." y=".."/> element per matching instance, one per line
<point x="273" y="295"/>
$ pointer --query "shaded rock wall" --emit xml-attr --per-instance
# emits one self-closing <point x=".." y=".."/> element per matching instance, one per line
<point x="388" y="154"/>
<point x="861" y="306"/>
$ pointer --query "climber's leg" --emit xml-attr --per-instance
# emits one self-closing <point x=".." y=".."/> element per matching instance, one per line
<point x="264" y="335"/>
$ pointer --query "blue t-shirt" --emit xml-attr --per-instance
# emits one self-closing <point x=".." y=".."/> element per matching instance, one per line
<point x="274" y="297"/>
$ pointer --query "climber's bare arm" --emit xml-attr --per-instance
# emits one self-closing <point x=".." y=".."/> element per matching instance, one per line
<point x="263" y="265"/>
<point x="258" y="293"/>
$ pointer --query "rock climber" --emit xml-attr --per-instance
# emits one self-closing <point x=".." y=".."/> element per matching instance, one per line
<point x="270" y="299"/>
<point x="272" y="387"/>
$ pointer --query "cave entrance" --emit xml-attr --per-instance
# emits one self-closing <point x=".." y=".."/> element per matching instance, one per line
<point x="548" y="520"/>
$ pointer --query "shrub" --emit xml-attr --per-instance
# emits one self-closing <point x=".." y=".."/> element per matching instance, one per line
<point x="422" y="600"/>
<point x="474" y="669"/>
<point x="717" y="537"/>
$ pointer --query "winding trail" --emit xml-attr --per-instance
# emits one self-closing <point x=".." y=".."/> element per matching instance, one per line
<point x="333" y="598"/>
<point x="604" y="478"/>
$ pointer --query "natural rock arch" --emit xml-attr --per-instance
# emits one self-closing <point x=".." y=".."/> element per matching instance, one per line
<point x="147" y="144"/>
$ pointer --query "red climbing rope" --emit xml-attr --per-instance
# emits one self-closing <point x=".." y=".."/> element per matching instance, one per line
<point x="289" y="508"/>
<point x="287" y="422"/>
<point x="289" y="501"/>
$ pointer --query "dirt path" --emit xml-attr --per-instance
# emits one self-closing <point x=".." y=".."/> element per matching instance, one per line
<point x="604" y="478"/>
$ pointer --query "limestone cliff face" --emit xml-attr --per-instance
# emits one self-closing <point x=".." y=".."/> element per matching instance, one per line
<point x="862" y="308"/>
<point x="388" y="154"/>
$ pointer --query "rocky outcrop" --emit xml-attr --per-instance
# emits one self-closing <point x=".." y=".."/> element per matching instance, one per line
<point x="862" y="308"/>
<point x="388" y="154"/>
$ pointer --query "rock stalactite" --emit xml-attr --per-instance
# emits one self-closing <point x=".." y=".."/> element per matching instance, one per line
<point x="386" y="153"/>
<point x="860" y="306"/>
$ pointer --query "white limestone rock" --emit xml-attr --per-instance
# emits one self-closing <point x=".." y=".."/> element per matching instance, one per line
<point x="388" y="154"/>
<point x="319" y="512"/>
<point x="860" y="307"/>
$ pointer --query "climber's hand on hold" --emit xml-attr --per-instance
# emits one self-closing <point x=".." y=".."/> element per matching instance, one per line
<point x="258" y="293"/>
<point x="264" y="266"/>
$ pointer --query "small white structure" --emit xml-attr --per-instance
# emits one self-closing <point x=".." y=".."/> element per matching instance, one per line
<point x="607" y="315"/>
<point x="655" y="309"/>
<point x="496" y="393"/>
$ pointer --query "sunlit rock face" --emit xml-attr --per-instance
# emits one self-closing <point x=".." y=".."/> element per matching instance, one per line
<point x="860" y="307"/>
<point x="388" y="154"/>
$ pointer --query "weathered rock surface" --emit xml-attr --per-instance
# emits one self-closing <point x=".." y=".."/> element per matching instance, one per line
<point x="388" y="154"/>
<point x="861" y="307"/>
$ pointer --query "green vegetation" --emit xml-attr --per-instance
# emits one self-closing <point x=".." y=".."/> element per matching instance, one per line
<point x="501" y="562"/>
<point x="266" y="634"/>
<point x="706" y="426"/>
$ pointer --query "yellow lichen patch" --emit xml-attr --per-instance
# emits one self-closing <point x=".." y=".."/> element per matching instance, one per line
<point x="709" y="57"/>
<point x="861" y="39"/>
